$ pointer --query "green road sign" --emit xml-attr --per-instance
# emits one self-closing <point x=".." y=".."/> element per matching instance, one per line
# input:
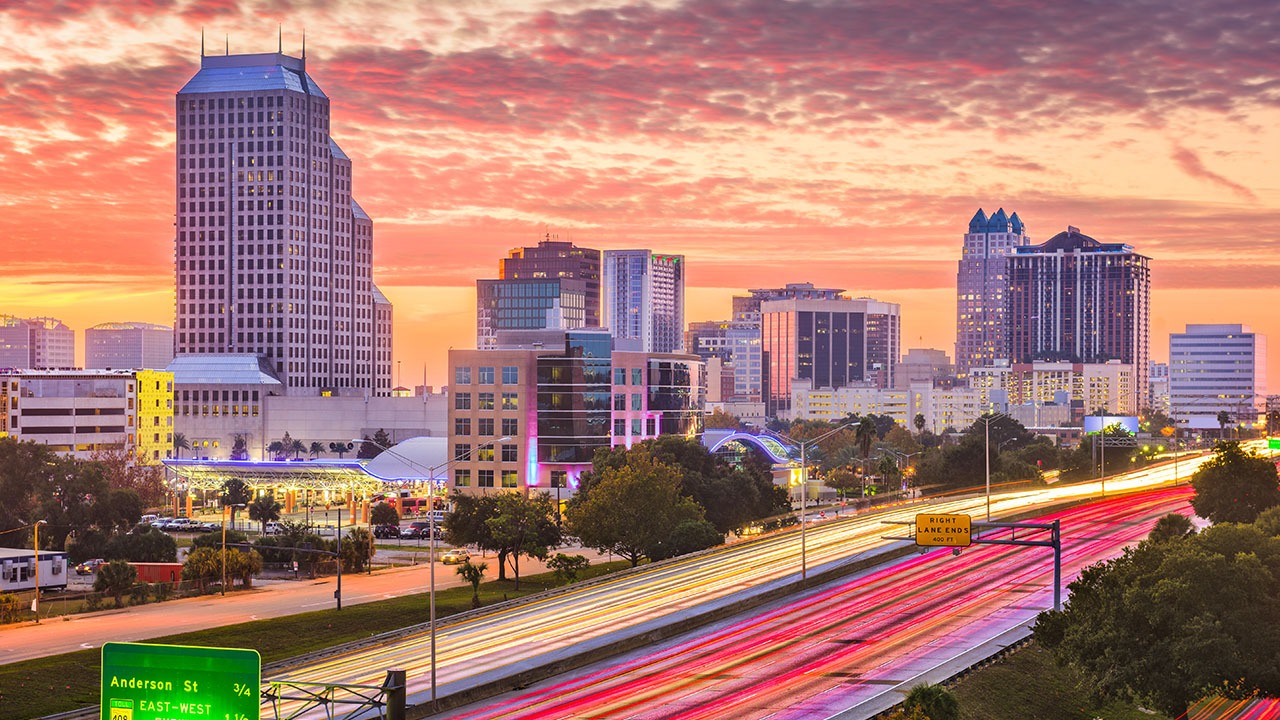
<point x="176" y="682"/>
<point x="1273" y="443"/>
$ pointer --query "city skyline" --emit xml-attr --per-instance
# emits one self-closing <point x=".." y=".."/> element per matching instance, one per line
<point x="843" y="144"/>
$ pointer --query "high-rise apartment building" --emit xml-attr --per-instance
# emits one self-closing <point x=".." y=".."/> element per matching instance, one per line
<point x="273" y="255"/>
<point x="553" y="259"/>
<point x="642" y="301"/>
<point x="36" y="344"/>
<point x="829" y="342"/>
<point x="1214" y="369"/>
<point x="981" y="325"/>
<point x="128" y="345"/>
<point x="1079" y="300"/>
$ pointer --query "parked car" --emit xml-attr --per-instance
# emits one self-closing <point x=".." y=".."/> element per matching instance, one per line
<point x="181" y="525"/>
<point x="455" y="557"/>
<point x="149" y="519"/>
<point x="88" y="567"/>
<point x="272" y="528"/>
<point x="386" y="531"/>
<point x="416" y="529"/>
<point x="210" y="527"/>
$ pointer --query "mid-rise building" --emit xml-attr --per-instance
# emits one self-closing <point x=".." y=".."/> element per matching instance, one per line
<point x="128" y="345"/>
<point x="1158" y="388"/>
<point x="81" y="412"/>
<point x="829" y="342"/>
<point x="1110" y="386"/>
<point x="982" y="329"/>
<point x="273" y="255"/>
<point x="1214" y="369"/>
<point x="1078" y="300"/>
<point x="943" y="408"/>
<point x="921" y="365"/>
<point x="642" y="301"/>
<point x="554" y="259"/>
<point x="36" y="344"/>
<point x="530" y="413"/>
<point x="528" y="304"/>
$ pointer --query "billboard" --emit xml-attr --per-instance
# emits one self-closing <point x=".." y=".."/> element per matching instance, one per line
<point x="1095" y="423"/>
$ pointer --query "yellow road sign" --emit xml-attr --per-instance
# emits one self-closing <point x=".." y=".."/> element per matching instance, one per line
<point x="938" y="530"/>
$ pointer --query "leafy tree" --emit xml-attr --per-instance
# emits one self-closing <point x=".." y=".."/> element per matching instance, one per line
<point x="27" y="472"/>
<point x="1170" y="622"/>
<point x="202" y="566"/>
<point x="367" y="450"/>
<point x="384" y="514"/>
<point x="1234" y="486"/>
<point x="382" y="438"/>
<point x="688" y="536"/>
<point x="239" y="447"/>
<point x="126" y="471"/>
<point x="1171" y="527"/>
<point x="115" y="578"/>
<point x="243" y="566"/>
<point x="1269" y="521"/>
<point x="214" y="540"/>
<point x="632" y="510"/>
<point x="468" y="525"/>
<point x="523" y="526"/>
<point x="264" y="509"/>
<point x="150" y="545"/>
<point x="126" y="508"/>
<point x="180" y="443"/>
<point x="934" y="702"/>
<point x="901" y="439"/>
<point x="473" y="573"/>
<point x="316" y="449"/>
<point x="719" y="419"/>
<point x="235" y="494"/>
<point x="567" y="568"/>
<point x="85" y="544"/>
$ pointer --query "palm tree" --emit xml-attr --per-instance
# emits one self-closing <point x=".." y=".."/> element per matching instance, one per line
<point x="296" y="448"/>
<point x="264" y="509"/>
<point x="317" y="449"/>
<point x="919" y="422"/>
<point x="473" y="574"/>
<point x="180" y="443"/>
<point x="935" y="701"/>
<point x="116" y="578"/>
<point x="888" y="469"/>
<point x="235" y="495"/>
<point x="276" y="449"/>
<point x="865" y="436"/>
<point x="1224" y="419"/>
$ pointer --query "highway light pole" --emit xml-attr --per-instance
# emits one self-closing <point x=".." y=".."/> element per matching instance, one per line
<point x="804" y="487"/>
<point x="35" y="602"/>
<point x="986" y="434"/>
<point x="431" y="520"/>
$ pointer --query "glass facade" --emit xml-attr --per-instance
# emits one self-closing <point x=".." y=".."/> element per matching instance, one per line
<point x="574" y="396"/>
<point x="675" y="391"/>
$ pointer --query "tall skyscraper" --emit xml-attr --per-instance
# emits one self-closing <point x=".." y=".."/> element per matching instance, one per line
<point x="553" y="259"/>
<point x="1076" y="299"/>
<point x="36" y="344"/>
<point x="274" y="256"/>
<point x="829" y="342"/>
<point x="1217" y="368"/>
<point x="643" y="300"/>
<point x="982" y="333"/>
<point x="127" y="345"/>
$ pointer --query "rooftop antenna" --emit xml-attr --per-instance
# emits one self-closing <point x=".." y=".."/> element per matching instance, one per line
<point x="280" y="39"/>
<point x="201" y="41"/>
<point x="228" y="51"/>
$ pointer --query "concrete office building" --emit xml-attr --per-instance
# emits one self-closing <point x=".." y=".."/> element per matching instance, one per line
<point x="981" y="323"/>
<point x="81" y="412"/>
<point x="829" y="342"/>
<point x="1087" y="386"/>
<point x="36" y="344"/>
<point x="274" y="256"/>
<point x="642" y="300"/>
<point x="943" y="408"/>
<point x="1217" y="368"/>
<point x="1075" y="299"/>
<point x="553" y="259"/>
<point x="923" y="365"/>
<point x="128" y="345"/>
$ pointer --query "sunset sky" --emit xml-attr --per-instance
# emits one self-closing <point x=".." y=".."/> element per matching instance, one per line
<point x="845" y="143"/>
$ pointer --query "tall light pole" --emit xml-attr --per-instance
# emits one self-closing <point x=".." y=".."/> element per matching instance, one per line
<point x="431" y="519"/>
<point x="804" y="487"/>
<point x="986" y="434"/>
<point x="35" y="602"/>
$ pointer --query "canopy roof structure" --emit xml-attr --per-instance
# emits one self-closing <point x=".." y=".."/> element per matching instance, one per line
<point x="778" y="451"/>
<point x="345" y="476"/>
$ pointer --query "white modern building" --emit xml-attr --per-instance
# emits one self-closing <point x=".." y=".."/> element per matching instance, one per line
<point x="642" y="300"/>
<point x="1217" y="368"/>
<point x="274" y="256"/>
<point x="982" y="331"/>
<point x="115" y="346"/>
<point x="36" y="344"/>
<point x="1090" y="386"/>
<point x="943" y="408"/>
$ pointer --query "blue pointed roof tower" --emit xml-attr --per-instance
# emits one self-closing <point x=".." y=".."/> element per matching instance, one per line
<point x="999" y="222"/>
<point x="1015" y="224"/>
<point x="979" y="222"/>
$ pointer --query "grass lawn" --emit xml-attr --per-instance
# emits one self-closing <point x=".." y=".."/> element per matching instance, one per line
<point x="1029" y="685"/>
<point x="65" y="682"/>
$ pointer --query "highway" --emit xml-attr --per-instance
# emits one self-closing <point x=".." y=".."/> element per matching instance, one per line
<point x="490" y="646"/>
<point x="852" y="648"/>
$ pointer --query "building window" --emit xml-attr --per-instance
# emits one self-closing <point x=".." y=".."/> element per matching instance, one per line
<point x="462" y="426"/>
<point x="619" y="427"/>
<point x="619" y="401"/>
<point x="484" y="401"/>
<point x="653" y="426"/>
<point x="484" y="479"/>
<point x="635" y="427"/>
<point x="486" y="428"/>
<point x="510" y="401"/>
<point x="509" y="478"/>
<point x="635" y="401"/>
<point x="485" y="454"/>
<point x="462" y="401"/>
<point x="637" y="376"/>
<point x="462" y="477"/>
<point x="462" y="376"/>
<point x="510" y="427"/>
<point x="559" y="478"/>
<point x="461" y="451"/>
<point x="486" y="376"/>
<point x="619" y="376"/>
<point x="509" y="453"/>
<point x="510" y="375"/>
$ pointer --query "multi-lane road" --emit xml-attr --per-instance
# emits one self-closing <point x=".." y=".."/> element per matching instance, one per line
<point x="552" y="630"/>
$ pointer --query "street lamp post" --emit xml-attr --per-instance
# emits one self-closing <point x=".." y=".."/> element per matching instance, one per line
<point x="986" y="433"/>
<point x="804" y="489"/>
<point x="431" y="519"/>
<point x="35" y="602"/>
